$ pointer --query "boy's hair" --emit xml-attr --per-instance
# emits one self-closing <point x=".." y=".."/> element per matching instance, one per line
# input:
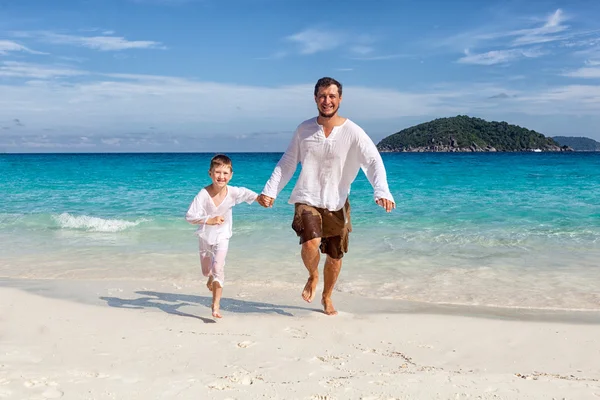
<point x="220" y="160"/>
<point x="326" y="82"/>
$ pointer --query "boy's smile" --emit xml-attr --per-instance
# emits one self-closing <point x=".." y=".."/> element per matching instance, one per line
<point x="220" y="175"/>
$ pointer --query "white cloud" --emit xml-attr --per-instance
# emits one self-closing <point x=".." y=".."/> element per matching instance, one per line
<point x="545" y="33"/>
<point x="587" y="72"/>
<point x="108" y="106"/>
<point x="8" y="46"/>
<point x="592" y="70"/>
<point x="313" y="41"/>
<point x="27" y="70"/>
<point x="362" y="49"/>
<point x="102" y="43"/>
<point x="499" y="56"/>
<point x="381" y="57"/>
<point x="548" y="34"/>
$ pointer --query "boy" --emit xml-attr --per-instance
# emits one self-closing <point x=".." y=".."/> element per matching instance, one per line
<point x="211" y="209"/>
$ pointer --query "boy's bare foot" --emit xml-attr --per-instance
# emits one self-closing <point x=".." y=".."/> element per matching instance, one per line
<point x="216" y="313"/>
<point x="328" y="307"/>
<point x="310" y="289"/>
<point x="209" y="283"/>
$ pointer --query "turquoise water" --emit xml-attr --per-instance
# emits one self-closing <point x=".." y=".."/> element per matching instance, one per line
<point x="508" y="230"/>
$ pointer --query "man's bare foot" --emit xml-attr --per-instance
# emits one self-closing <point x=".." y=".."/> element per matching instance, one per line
<point x="310" y="289"/>
<point x="328" y="307"/>
<point x="209" y="282"/>
<point x="216" y="313"/>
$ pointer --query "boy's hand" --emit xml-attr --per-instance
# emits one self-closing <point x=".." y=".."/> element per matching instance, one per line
<point x="218" y="220"/>
<point x="265" y="201"/>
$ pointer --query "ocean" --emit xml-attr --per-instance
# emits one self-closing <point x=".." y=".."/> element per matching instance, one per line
<point x="514" y="230"/>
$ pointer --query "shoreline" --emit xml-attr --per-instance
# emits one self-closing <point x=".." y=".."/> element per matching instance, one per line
<point x="238" y="298"/>
<point x="144" y="340"/>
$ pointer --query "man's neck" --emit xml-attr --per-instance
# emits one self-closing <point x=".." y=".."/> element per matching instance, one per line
<point x="330" y="122"/>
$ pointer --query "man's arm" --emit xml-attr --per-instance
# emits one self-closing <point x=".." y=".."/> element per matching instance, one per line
<point x="283" y="172"/>
<point x="372" y="165"/>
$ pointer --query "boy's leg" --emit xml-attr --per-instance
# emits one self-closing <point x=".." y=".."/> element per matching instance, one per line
<point x="218" y="273"/>
<point x="206" y="260"/>
<point x="217" y="291"/>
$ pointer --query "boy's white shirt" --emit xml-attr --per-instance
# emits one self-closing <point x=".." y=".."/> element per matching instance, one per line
<point x="329" y="165"/>
<point x="203" y="208"/>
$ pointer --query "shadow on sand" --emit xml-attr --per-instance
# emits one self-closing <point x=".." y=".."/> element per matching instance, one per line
<point x="171" y="302"/>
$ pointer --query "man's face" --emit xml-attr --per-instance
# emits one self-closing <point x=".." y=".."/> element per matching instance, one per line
<point x="328" y="101"/>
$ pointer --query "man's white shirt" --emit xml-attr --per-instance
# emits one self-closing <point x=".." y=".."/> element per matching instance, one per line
<point x="329" y="165"/>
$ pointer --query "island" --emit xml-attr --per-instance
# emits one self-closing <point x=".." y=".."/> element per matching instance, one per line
<point x="468" y="134"/>
<point x="578" y="143"/>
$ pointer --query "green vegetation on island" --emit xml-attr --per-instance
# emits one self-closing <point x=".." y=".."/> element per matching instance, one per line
<point x="467" y="134"/>
<point x="578" y="143"/>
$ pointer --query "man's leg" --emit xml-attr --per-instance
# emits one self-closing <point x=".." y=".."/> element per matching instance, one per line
<point x="310" y="257"/>
<point x="330" y="273"/>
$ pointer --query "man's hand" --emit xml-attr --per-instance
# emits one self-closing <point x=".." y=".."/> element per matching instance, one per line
<point x="388" y="205"/>
<point x="265" y="201"/>
<point x="218" y="220"/>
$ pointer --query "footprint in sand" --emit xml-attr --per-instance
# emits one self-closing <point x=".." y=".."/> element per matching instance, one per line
<point x="245" y="344"/>
<point x="296" y="333"/>
<point x="322" y="397"/>
<point x="239" y="377"/>
<point x="87" y="374"/>
<point x="51" y="388"/>
<point x="52" y="393"/>
<point x="336" y="382"/>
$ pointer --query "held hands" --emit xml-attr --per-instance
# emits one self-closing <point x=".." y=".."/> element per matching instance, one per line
<point x="218" y="220"/>
<point x="265" y="201"/>
<point x="388" y="205"/>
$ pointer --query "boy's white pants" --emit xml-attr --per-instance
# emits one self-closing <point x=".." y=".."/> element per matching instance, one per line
<point x="212" y="259"/>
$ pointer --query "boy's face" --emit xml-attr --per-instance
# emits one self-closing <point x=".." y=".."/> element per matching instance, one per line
<point x="220" y="175"/>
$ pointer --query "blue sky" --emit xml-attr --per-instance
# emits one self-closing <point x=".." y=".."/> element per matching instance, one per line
<point x="226" y="75"/>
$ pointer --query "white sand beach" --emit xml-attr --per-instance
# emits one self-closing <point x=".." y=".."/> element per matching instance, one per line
<point x="156" y="340"/>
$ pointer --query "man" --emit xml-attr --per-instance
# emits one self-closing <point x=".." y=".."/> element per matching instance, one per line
<point x="331" y="150"/>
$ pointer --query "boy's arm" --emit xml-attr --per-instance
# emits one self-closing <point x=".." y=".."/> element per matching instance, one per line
<point x="196" y="214"/>
<point x="245" y="195"/>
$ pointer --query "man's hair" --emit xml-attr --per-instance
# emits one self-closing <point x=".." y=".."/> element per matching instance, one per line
<point x="326" y="82"/>
<point x="220" y="160"/>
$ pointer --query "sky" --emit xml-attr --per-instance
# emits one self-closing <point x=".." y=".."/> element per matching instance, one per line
<point x="238" y="75"/>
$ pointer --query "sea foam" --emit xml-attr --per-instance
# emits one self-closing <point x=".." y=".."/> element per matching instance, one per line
<point x="94" y="224"/>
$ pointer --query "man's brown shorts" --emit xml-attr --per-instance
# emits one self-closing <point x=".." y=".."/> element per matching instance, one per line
<point x="332" y="227"/>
